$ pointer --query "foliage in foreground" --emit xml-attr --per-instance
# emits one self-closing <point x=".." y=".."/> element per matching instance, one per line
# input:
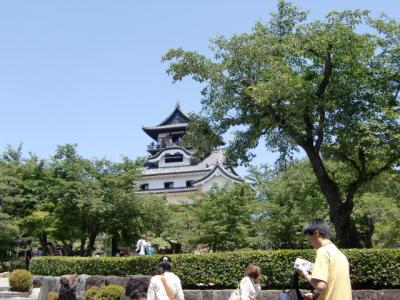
<point x="370" y="268"/>
<point x="108" y="292"/>
<point x="52" y="296"/>
<point x="20" y="280"/>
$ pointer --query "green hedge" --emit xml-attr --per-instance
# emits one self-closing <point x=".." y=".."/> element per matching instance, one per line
<point x="370" y="268"/>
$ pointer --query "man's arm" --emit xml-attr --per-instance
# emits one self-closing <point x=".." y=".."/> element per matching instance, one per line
<point x="318" y="285"/>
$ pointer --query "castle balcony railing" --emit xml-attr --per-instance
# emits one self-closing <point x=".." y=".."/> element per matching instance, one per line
<point x="162" y="145"/>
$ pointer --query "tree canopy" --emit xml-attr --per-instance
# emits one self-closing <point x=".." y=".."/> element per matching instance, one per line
<point x="223" y="218"/>
<point x="69" y="198"/>
<point x="330" y="87"/>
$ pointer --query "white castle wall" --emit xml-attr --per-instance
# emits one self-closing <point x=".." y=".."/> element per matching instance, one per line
<point x="158" y="183"/>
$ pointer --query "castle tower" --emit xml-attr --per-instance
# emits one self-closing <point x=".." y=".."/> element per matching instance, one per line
<point x="169" y="169"/>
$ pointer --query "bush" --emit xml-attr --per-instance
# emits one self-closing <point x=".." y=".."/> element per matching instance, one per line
<point x="370" y="268"/>
<point x="91" y="293"/>
<point x="20" y="280"/>
<point x="11" y="265"/>
<point x="52" y="296"/>
<point x="108" y="292"/>
<point x="17" y="264"/>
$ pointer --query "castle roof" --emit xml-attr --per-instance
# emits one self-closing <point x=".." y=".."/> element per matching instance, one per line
<point x="169" y="191"/>
<point x="215" y="159"/>
<point x="176" y="121"/>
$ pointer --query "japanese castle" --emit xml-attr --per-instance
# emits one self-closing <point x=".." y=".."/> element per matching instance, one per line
<point x="169" y="169"/>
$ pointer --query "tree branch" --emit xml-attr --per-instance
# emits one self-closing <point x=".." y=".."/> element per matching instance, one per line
<point x="320" y="130"/>
<point x="321" y="90"/>
<point x="327" y="72"/>
<point x="308" y="125"/>
<point x="361" y="158"/>
<point x="281" y="122"/>
<point x="382" y="169"/>
<point x="363" y="177"/>
<point x="349" y="160"/>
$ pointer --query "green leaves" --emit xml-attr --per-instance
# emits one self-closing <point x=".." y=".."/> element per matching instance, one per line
<point x="370" y="269"/>
<point x="324" y="86"/>
<point x="222" y="218"/>
<point x="288" y="198"/>
<point x="69" y="198"/>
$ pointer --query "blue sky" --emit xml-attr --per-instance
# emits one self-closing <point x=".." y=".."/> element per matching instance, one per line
<point x="90" y="72"/>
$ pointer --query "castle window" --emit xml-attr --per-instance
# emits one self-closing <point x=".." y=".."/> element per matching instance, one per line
<point x="189" y="183"/>
<point x="144" y="186"/>
<point x="170" y="158"/>
<point x="169" y="185"/>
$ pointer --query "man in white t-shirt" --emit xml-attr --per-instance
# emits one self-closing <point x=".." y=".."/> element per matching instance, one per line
<point x="141" y="245"/>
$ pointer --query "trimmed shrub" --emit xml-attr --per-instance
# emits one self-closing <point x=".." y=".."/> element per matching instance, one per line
<point x="108" y="292"/>
<point x="52" y="296"/>
<point x="91" y="293"/>
<point x="20" y="280"/>
<point x="111" y="292"/>
<point x="370" y="268"/>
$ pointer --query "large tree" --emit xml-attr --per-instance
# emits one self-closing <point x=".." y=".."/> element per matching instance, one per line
<point x="286" y="199"/>
<point x="330" y="87"/>
<point x="223" y="218"/>
<point x="121" y="217"/>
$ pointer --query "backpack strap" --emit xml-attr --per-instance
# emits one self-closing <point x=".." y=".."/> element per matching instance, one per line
<point x="171" y="296"/>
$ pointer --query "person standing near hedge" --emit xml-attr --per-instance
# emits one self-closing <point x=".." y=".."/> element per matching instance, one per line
<point x="141" y="245"/>
<point x="330" y="274"/>
<point x="28" y="257"/>
<point x="250" y="285"/>
<point x="166" y="286"/>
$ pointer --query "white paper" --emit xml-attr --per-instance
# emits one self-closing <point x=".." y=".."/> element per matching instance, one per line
<point x="303" y="264"/>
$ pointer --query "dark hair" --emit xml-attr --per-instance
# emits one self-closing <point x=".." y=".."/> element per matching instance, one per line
<point x="165" y="264"/>
<point x="252" y="271"/>
<point x="317" y="225"/>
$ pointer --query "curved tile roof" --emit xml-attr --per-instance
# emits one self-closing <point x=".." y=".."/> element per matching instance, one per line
<point x="176" y="120"/>
<point x="169" y="149"/>
<point x="216" y="158"/>
<point x="172" y="190"/>
<point x="223" y="170"/>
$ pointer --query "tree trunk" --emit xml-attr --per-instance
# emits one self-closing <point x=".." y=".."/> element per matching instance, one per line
<point x="366" y="235"/>
<point x="92" y="240"/>
<point x="114" y="246"/>
<point x="43" y="242"/>
<point x="339" y="211"/>
<point x="82" y="247"/>
<point x="68" y="249"/>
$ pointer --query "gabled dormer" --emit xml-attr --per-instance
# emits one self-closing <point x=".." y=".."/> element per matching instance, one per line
<point x="171" y="157"/>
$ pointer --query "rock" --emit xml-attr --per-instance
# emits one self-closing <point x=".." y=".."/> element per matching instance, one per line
<point x="95" y="281"/>
<point x="391" y="294"/>
<point x="67" y="289"/>
<point x="193" y="295"/>
<point x="136" y="287"/>
<point x="37" y="281"/>
<point x="81" y="286"/>
<point x="117" y="280"/>
<point x="48" y="284"/>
